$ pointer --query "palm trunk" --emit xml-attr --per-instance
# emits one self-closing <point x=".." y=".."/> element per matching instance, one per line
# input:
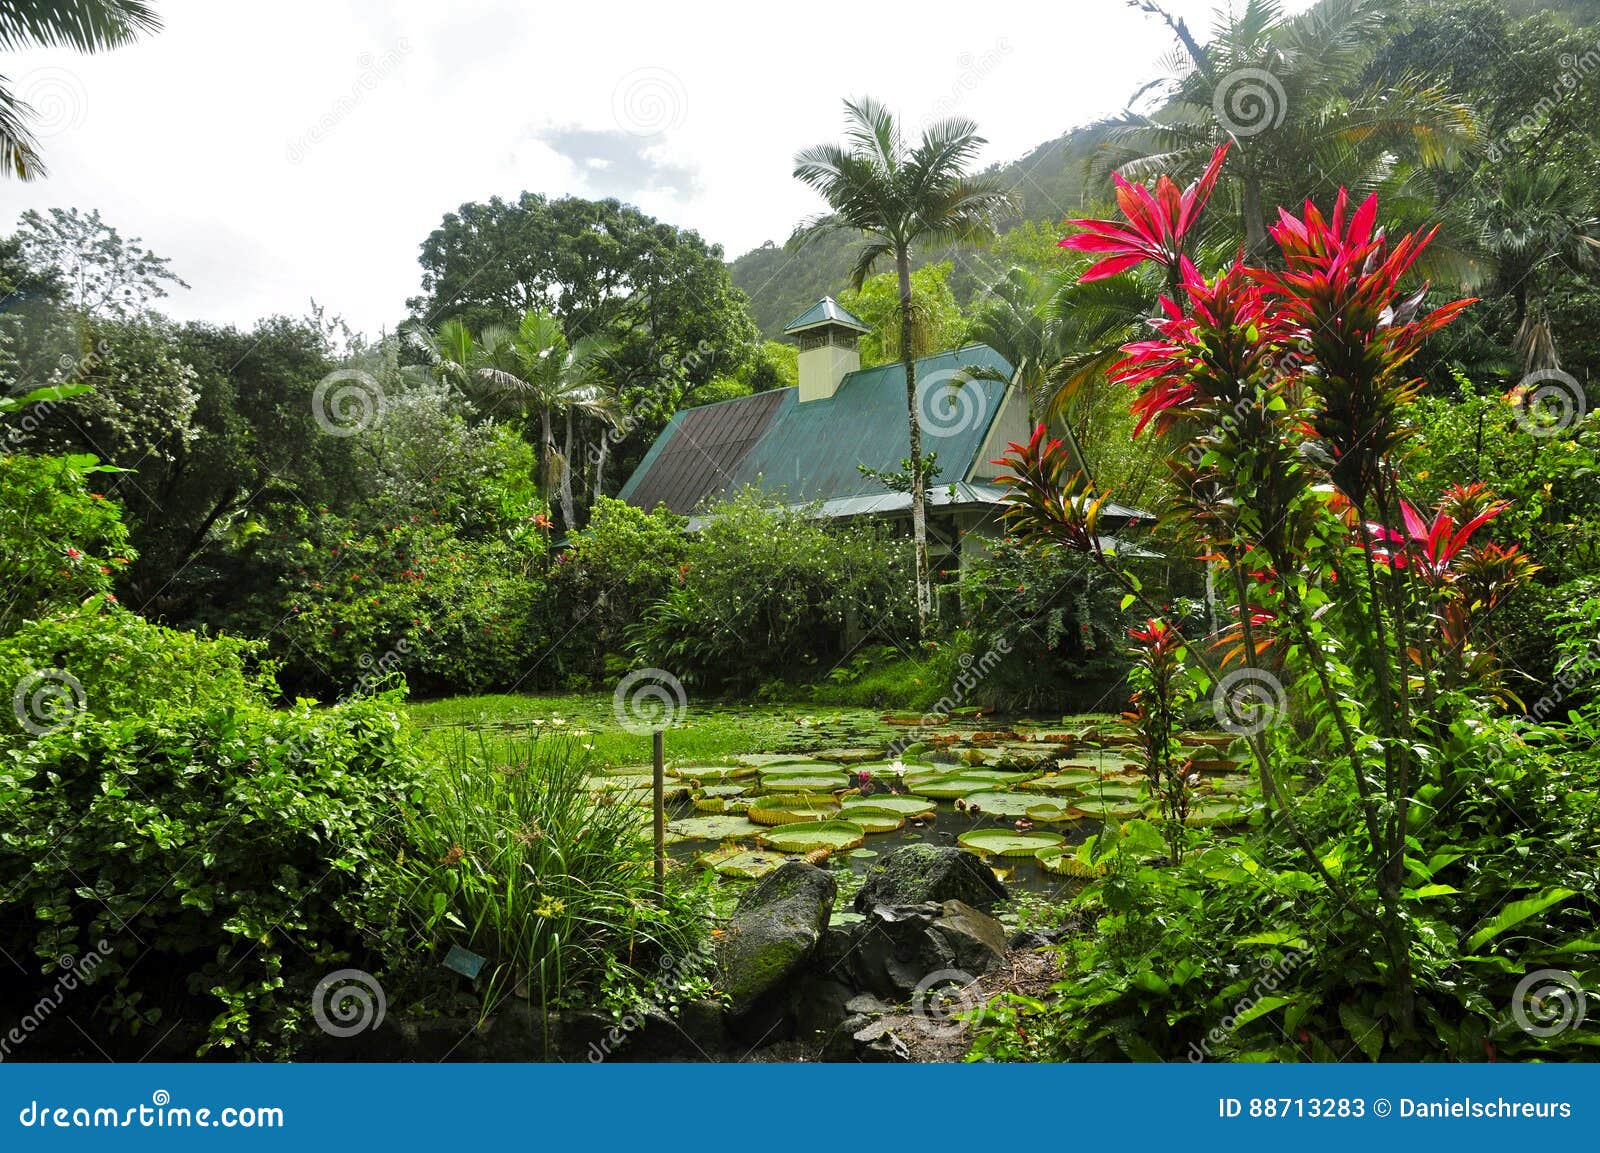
<point x="600" y="463"/>
<point x="547" y="453"/>
<point x="566" y="478"/>
<point x="919" y="509"/>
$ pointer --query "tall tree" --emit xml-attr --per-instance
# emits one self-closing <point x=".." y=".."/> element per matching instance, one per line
<point x="536" y="365"/>
<point x="899" y="195"/>
<point x="86" y="25"/>
<point x="1288" y="92"/>
<point x="603" y="267"/>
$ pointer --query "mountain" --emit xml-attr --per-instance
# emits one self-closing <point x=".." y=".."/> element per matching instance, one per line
<point x="781" y="285"/>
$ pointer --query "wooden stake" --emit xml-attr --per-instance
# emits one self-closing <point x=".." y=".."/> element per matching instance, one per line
<point x="659" y="785"/>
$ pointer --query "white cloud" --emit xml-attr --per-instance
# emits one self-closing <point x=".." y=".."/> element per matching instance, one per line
<point x="307" y="147"/>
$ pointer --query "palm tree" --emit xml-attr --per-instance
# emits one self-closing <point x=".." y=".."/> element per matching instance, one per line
<point x="86" y="25"/>
<point x="900" y="196"/>
<point x="1530" y="217"/>
<point x="1287" y="91"/>
<point x="450" y="354"/>
<point x="547" y="374"/>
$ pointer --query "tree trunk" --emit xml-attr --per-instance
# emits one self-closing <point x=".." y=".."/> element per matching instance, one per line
<point x="919" y="508"/>
<point x="547" y="453"/>
<point x="566" y="478"/>
<point x="600" y="463"/>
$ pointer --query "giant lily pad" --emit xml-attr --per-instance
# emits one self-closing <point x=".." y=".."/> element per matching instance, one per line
<point x="1074" y="780"/>
<point x="1002" y="804"/>
<point x="875" y="820"/>
<point x="792" y="808"/>
<point x="917" y="807"/>
<point x="1063" y="861"/>
<point x="956" y="784"/>
<point x="804" y="780"/>
<point x="762" y="760"/>
<point x="720" y="827"/>
<point x="1106" y="807"/>
<point x="1004" y="843"/>
<point x="722" y="804"/>
<point x="814" y="835"/>
<point x="710" y="774"/>
<point x="733" y="861"/>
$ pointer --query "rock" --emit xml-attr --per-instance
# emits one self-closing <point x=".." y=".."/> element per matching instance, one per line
<point x="697" y="1032"/>
<point x="878" y="1043"/>
<point x="774" y="930"/>
<point x="903" y="946"/>
<point x="867" y="1005"/>
<point x="976" y="940"/>
<point x="1035" y="938"/>
<point x="817" y="1004"/>
<point x="914" y="874"/>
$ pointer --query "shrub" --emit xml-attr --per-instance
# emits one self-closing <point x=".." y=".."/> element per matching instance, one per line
<point x="60" y="543"/>
<point x="121" y="665"/>
<point x="337" y="599"/>
<point x="1056" y="624"/>
<point x="512" y="857"/>
<point x="767" y="590"/>
<point x="218" y="846"/>
<point x="622" y="562"/>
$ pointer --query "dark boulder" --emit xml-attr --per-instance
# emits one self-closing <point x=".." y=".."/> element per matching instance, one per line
<point x="915" y="874"/>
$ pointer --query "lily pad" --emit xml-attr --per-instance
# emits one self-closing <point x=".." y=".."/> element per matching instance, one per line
<point x="1103" y="808"/>
<point x="719" y="827"/>
<point x="953" y="785"/>
<point x="724" y="791"/>
<point x="792" y="808"/>
<point x="1004" y="843"/>
<point x="747" y="863"/>
<point x="722" y="804"/>
<point x="890" y="803"/>
<point x="806" y="780"/>
<point x="1066" y="781"/>
<point x="710" y="774"/>
<point x="762" y="760"/>
<point x="1002" y="804"/>
<point x="814" y="835"/>
<point x="1063" y="861"/>
<point x="875" y="820"/>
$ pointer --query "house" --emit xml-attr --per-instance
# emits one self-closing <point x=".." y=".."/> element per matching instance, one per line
<point x="806" y="445"/>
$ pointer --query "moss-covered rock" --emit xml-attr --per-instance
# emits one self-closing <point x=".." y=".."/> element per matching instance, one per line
<point x="774" y="930"/>
<point x="917" y="873"/>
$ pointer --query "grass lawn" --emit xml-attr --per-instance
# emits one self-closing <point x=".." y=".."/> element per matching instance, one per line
<point x="708" y="733"/>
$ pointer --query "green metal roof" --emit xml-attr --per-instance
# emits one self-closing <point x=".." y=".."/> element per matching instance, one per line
<point x="826" y="311"/>
<point x="811" y="452"/>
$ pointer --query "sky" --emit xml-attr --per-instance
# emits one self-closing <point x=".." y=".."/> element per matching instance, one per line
<point x="304" y="149"/>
